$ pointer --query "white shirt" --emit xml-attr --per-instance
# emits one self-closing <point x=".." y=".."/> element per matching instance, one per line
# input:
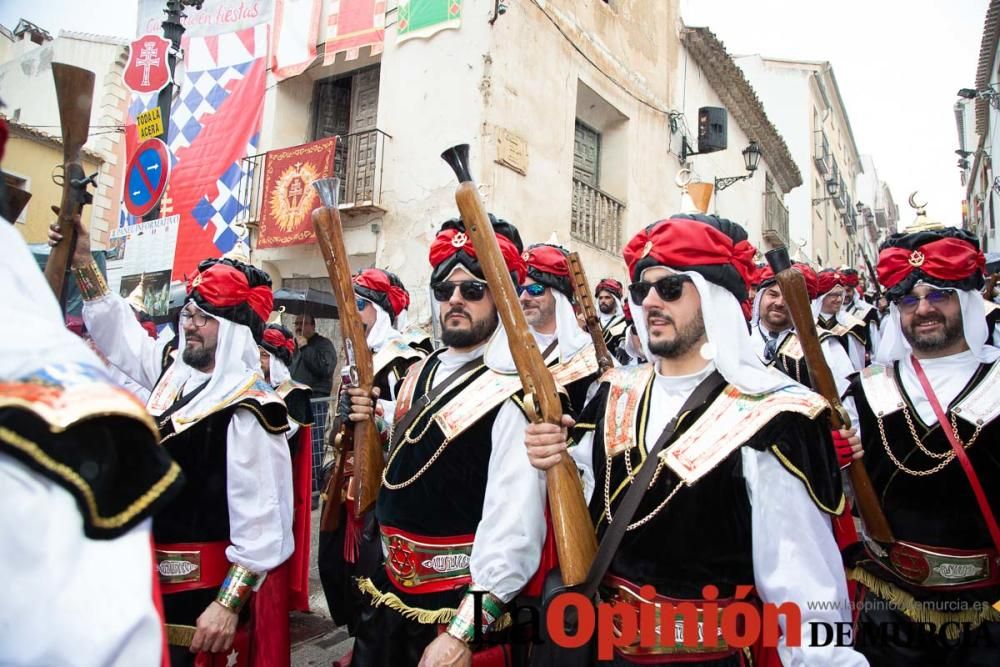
<point x="258" y="463"/>
<point x="68" y="599"/>
<point x="795" y="556"/>
<point x="508" y="544"/>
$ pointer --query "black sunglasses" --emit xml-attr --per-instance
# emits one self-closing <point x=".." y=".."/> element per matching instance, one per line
<point x="668" y="288"/>
<point x="471" y="290"/>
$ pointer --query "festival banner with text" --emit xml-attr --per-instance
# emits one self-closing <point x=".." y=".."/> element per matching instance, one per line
<point x="289" y="198"/>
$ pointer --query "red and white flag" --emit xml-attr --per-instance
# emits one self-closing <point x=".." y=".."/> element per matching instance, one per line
<point x="351" y="25"/>
<point x="296" y="31"/>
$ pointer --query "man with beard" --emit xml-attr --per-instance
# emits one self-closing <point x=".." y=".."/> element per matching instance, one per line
<point x="609" y="306"/>
<point x="81" y="473"/>
<point x="460" y="508"/>
<point x="354" y="549"/>
<point x="232" y="522"/>
<point x="828" y="308"/>
<point x="773" y="335"/>
<point x="546" y="297"/>
<point x="753" y="461"/>
<point x="931" y="394"/>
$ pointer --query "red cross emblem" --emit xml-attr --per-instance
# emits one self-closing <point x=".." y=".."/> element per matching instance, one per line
<point x="147" y="70"/>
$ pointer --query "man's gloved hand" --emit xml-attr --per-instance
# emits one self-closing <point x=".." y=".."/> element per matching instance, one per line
<point x="343" y="405"/>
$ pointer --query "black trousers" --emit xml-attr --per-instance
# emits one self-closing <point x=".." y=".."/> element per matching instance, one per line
<point x="888" y="638"/>
<point x="385" y="639"/>
<point x="339" y="578"/>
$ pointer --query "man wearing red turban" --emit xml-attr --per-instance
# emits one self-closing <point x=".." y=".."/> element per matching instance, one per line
<point x="224" y="425"/>
<point x="833" y="286"/>
<point x="354" y="548"/>
<point x="460" y="508"/>
<point x="609" y="305"/>
<point x="928" y="414"/>
<point x="750" y="456"/>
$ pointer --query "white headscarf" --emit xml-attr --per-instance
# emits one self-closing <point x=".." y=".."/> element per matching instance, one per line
<point x="279" y="371"/>
<point x="237" y="363"/>
<point x="840" y="315"/>
<point x="571" y="337"/>
<point x="619" y="311"/>
<point x="382" y="331"/>
<point x="40" y="337"/>
<point x="893" y="345"/>
<point x="728" y="345"/>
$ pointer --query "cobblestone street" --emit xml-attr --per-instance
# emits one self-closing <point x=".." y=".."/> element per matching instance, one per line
<point x="315" y="639"/>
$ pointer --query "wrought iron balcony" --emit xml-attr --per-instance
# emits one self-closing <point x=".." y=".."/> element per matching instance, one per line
<point x="597" y="217"/>
<point x="775" y="228"/>
<point x="358" y="162"/>
<point x="821" y="152"/>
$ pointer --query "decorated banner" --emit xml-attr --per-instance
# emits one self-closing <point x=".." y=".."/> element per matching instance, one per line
<point x="296" y="30"/>
<point x="286" y="218"/>
<point x="425" y="18"/>
<point x="215" y="16"/>
<point x="352" y="24"/>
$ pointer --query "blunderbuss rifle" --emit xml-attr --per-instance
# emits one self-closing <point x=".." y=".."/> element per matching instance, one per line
<point x="75" y="96"/>
<point x="573" y="530"/>
<point x="368" y="457"/>
<point x="793" y="291"/>
<point x="581" y="290"/>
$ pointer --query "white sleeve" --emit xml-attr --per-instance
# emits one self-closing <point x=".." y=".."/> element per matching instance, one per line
<point x="840" y="364"/>
<point x="112" y="324"/>
<point x="293" y="428"/>
<point x="259" y="470"/>
<point x="583" y="456"/>
<point x="70" y="600"/>
<point x="796" y="559"/>
<point x="856" y="352"/>
<point x="508" y="544"/>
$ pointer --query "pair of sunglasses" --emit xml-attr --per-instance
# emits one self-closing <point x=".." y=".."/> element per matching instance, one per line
<point x="668" y="288"/>
<point x="936" y="298"/>
<point x="471" y="290"/>
<point x="535" y="289"/>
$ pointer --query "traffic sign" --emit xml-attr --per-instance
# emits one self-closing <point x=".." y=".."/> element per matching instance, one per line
<point x="146" y="177"/>
<point x="149" y="124"/>
<point x="147" y="70"/>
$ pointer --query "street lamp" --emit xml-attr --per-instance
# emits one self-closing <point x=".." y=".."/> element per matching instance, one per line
<point x="751" y="159"/>
<point x="832" y="189"/>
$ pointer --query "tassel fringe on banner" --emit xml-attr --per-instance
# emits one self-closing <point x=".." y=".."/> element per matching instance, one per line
<point x="917" y="610"/>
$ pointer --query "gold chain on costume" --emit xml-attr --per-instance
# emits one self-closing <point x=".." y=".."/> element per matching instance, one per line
<point x="656" y="510"/>
<point x="409" y="439"/>
<point x="946" y="457"/>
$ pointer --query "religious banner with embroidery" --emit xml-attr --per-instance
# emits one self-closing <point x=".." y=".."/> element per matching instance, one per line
<point x="288" y="198"/>
<point x="351" y="25"/>
<point x="426" y="18"/>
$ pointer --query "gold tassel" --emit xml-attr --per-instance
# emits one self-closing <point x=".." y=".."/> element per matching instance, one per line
<point x="916" y="611"/>
<point x="424" y="616"/>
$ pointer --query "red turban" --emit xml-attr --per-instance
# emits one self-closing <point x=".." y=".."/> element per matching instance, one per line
<point x="232" y="290"/>
<point x="696" y="244"/>
<point x="812" y="287"/>
<point x="948" y="259"/>
<point x="827" y="279"/>
<point x="377" y="286"/>
<point x="610" y="285"/>
<point x="547" y="265"/>
<point x="279" y="341"/>
<point x="451" y="243"/>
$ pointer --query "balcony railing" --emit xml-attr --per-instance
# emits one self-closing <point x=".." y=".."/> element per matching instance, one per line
<point x="596" y="217"/>
<point x="775" y="218"/>
<point x="358" y="162"/>
<point x="821" y="152"/>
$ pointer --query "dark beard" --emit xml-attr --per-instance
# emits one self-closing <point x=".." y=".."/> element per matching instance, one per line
<point x="687" y="336"/>
<point x="936" y="341"/>
<point x="477" y="333"/>
<point x="200" y="359"/>
<point x="606" y="308"/>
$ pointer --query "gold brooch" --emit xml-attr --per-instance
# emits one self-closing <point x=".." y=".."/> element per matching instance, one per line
<point x="459" y="240"/>
<point x="525" y="255"/>
<point x="916" y="258"/>
<point x="196" y="281"/>
<point x="647" y="248"/>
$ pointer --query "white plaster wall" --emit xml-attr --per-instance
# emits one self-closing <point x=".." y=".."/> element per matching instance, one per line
<point x="991" y="237"/>
<point x="786" y="97"/>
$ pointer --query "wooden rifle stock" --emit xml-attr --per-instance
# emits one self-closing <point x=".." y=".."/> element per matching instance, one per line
<point x="75" y="95"/>
<point x="796" y="298"/>
<point x="329" y="518"/>
<point x="572" y="527"/>
<point x="581" y="289"/>
<point x="368" y="458"/>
